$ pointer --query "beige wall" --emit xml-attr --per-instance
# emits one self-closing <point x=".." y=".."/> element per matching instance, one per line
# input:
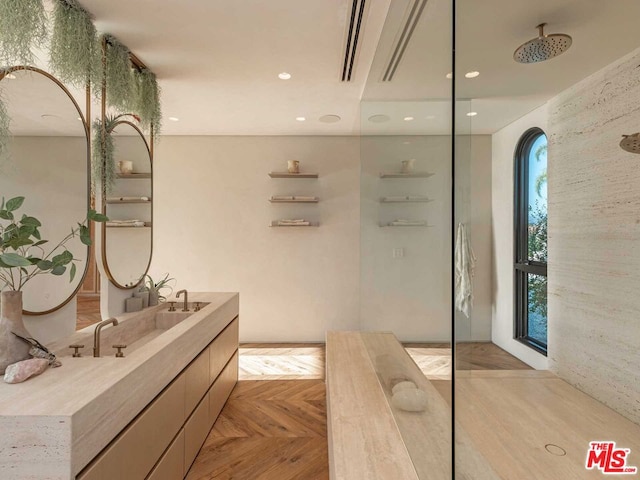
<point x="211" y="229"/>
<point x="594" y="237"/>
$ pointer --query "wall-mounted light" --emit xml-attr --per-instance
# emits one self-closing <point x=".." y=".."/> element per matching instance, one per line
<point x="631" y="143"/>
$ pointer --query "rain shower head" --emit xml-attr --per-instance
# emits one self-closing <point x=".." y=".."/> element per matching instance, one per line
<point x="631" y="143"/>
<point x="542" y="48"/>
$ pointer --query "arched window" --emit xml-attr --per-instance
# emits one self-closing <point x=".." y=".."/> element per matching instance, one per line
<point x="530" y="222"/>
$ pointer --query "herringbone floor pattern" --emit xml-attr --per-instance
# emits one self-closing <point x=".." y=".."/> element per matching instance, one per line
<point x="273" y="430"/>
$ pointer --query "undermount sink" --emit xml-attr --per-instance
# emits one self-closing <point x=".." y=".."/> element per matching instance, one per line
<point x="133" y="330"/>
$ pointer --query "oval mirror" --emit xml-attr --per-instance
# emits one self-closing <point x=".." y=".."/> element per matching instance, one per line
<point x="47" y="163"/>
<point x="127" y="237"/>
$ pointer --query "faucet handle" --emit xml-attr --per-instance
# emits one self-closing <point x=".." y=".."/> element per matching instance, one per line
<point x="119" y="354"/>
<point x="172" y="306"/>
<point x="197" y="307"/>
<point x="76" y="347"/>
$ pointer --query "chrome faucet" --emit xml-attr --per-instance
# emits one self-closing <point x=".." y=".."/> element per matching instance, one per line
<point x="96" y="334"/>
<point x="185" y="307"/>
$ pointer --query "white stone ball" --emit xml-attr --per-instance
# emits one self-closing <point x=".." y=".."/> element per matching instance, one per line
<point x="410" y="400"/>
<point x="406" y="385"/>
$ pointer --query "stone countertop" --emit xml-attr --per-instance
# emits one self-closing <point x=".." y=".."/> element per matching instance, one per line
<point x="75" y="410"/>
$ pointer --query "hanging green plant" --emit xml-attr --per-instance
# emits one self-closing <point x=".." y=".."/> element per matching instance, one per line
<point x="5" y="133"/>
<point x="121" y="88"/>
<point x="103" y="168"/>
<point x="22" y="26"/>
<point x="74" y="53"/>
<point x="148" y="101"/>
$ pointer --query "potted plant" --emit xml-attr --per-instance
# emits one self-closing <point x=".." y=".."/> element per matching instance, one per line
<point x="154" y="289"/>
<point x="23" y="256"/>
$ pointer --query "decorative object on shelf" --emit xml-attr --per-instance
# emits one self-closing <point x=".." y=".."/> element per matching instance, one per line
<point x="156" y="287"/>
<point x="408" y="165"/>
<point x="75" y="49"/>
<point x="132" y="304"/>
<point x="22" y="256"/>
<point x="125" y="167"/>
<point x="293" y="166"/>
<point x="12" y="349"/>
<point x="292" y="175"/>
<point x="23" y="24"/>
<point x="148" y="101"/>
<point x="37" y="350"/>
<point x="118" y="75"/>
<point x="135" y="223"/>
<point x="142" y="293"/>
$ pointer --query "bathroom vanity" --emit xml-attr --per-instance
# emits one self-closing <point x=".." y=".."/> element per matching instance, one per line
<point x="143" y="416"/>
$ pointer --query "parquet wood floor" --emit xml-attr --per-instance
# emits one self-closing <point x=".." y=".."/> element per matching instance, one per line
<point x="268" y="430"/>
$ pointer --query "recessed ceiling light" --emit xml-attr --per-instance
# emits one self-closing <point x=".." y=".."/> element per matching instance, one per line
<point x="473" y="74"/>
<point x="174" y="119"/>
<point x="49" y="116"/>
<point x="472" y="114"/>
<point x="330" y="118"/>
<point x="284" y="75"/>
<point x="10" y="76"/>
<point x="408" y="119"/>
<point x="450" y="75"/>
<point x="79" y="119"/>
<point x="429" y="117"/>
<point x="301" y="119"/>
<point x="379" y="118"/>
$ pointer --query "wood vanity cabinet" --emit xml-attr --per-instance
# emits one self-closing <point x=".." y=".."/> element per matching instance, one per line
<point x="162" y="442"/>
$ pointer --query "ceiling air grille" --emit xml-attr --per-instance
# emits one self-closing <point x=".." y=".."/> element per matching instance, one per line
<point x="404" y="38"/>
<point x="353" y="35"/>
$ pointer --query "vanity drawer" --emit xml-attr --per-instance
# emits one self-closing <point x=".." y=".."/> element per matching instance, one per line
<point x="197" y="381"/>
<point x="222" y="348"/>
<point x="221" y="390"/>
<point x="171" y="465"/>
<point x="195" y="432"/>
<point x="136" y="450"/>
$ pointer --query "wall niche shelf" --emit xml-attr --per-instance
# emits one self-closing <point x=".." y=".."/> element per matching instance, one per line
<point x="129" y="176"/>
<point x="275" y="224"/>
<point x="407" y="175"/>
<point x="405" y="225"/>
<point x="117" y="227"/>
<point x="116" y="202"/>
<point x="294" y="199"/>
<point x="292" y="175"/>
<point x="406" y="199"/>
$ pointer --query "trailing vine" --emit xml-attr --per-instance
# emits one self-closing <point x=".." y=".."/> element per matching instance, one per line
<point x="23" y="25"/>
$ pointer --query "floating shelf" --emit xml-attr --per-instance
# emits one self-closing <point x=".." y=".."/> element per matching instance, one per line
<point x="407" y="199"/>
<point x="274" y="224"/>
<point x="294" y="200"/>
<point x="389" y="224"/>
<point x="115" y="202"/>
<point x="292" y="175"/>
<point x="134" y="175"/>
<point x="146" y="225"/>
<point x="406" y="175"/>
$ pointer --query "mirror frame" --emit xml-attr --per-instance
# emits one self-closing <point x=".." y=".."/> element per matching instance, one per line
<point x="105" y="263"/>
<point x="87" y="132"/>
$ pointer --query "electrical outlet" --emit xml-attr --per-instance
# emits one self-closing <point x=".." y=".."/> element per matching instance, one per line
<point x="397" y="252"/>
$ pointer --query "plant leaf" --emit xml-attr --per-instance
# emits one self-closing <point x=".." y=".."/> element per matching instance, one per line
<point x="72" y="272"/>
<point x="97" y="217"/>
<point x="45" y="265"/>
<point x="34" y="222"/>
<point x="6" y="215"/>
<point x="40" y="242"/>
<point x="14" y="203"/>
<point x="58" y="270"/>
<point x="63" y="258"/>
<point x="14" y="260"/>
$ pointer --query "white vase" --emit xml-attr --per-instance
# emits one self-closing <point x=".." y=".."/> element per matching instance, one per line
<point x="12" y="349"/>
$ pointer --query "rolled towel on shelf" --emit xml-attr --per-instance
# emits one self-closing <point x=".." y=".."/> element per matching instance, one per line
<point x="288" y="222"/>
<point x="282" y="197"/>
<point x="125" y="223"/>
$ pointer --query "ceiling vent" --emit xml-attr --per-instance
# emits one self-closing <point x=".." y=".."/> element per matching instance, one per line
<point x="403" y="38"/>
<point x="352" y="37"/>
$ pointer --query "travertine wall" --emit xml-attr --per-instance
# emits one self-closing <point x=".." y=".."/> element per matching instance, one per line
<point x="594" y="237"/>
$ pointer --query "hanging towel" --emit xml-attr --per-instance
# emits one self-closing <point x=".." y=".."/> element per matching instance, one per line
<point x="465" y="262"/>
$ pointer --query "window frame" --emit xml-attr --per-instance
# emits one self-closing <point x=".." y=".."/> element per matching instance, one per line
<point x="522" y="266"/>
